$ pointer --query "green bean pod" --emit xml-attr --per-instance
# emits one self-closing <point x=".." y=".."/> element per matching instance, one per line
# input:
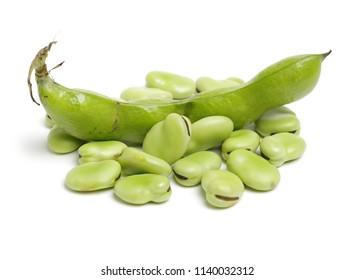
<point x="90" y="116"/>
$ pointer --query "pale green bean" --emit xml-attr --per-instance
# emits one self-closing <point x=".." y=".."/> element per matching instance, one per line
<point x="143" y="188"/>
<point x="92" y="176"/>
<point x="222" y="188"/>
<point x="188" y="171"/>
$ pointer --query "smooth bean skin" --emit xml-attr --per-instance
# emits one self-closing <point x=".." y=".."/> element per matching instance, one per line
<point x="207" y="83"/>
<point x="280" y="119"/>
<point x="92" y="176"/>
<point x="222" y="188"/>
<point x="168" y="139"/>
<point x="209" y="132"/>
<point x="254" y="171"/>
<point x="135" y="161"/>
<point x="293" y="146"/>
<point x="236" y="80"/>
<point x="240" y="139"/>
<point x="138" y="93"/>
<point x="62" y="143"/>
<point x="143" y="188"/>
<point x="188" y="171"/>
<point x="181" y="87"/>
<point x="273" y="150"/>
<point x="102" y="150"/>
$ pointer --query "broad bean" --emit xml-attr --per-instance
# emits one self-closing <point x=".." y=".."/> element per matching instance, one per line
<point x="206" y="83"/>
<point x="240" y="139"/>
<point x="92" y="176"/>
<point x="143" y="188"/>
<point x="282" y="147"/>
<point x="236" y="80"/>
<point x="222" y="188"/>
<point x="181" y="87"/>
<point x="209" y="132"/>
<point x="280" y="119"/>
<point x="102" y="150"/>
<point x="254" y="171"/>
<point x="135" y="161"/>
<point x="273" y="150"/>
<point x="62" y="143"/>
<point x="168" y="139"/>
<point x="188" y="171"/>
<point x="138" y="93"/>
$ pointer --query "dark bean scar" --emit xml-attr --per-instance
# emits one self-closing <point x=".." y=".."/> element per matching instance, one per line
<point x="227" y="198"/>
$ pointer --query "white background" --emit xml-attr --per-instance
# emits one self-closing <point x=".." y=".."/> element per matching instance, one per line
<point x="301" y="230"/>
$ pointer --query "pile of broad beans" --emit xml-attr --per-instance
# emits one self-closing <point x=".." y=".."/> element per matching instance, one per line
<point x="208" y="153"/>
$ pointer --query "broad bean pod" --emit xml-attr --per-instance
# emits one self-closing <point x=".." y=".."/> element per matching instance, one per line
<point x="89" y="116"/>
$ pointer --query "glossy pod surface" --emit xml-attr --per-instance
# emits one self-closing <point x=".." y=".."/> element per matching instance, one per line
<point x="89" y="116"/>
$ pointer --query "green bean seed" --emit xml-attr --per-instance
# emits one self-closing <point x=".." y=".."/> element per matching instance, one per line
<point x="206" y="83"/>
<point x="188" y="171"/>
<point x="168" y="139"/>
<point x="62" y="143"/>
<point x="222" y="188"/>
<point x="282" y="147"/>
<point x="181" y="87"/>
<point x="134" y="161"/>
<point x="137" y="93"/>
<point x="240" y="139"/>
<point x="273" y="150"/>
<point x="254" y="171"/>
<point x="92" y="176"/>
<point x="209" y="132"/>
<point x="143" y="188"/>
<point x="102" y="150"/>
<point x="280" y="119"/>
<point x="236" y="80"/>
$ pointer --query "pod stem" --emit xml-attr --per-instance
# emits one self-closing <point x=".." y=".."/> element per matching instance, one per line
<point x="39" y="65"/>
<point x="326" y="54"/>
